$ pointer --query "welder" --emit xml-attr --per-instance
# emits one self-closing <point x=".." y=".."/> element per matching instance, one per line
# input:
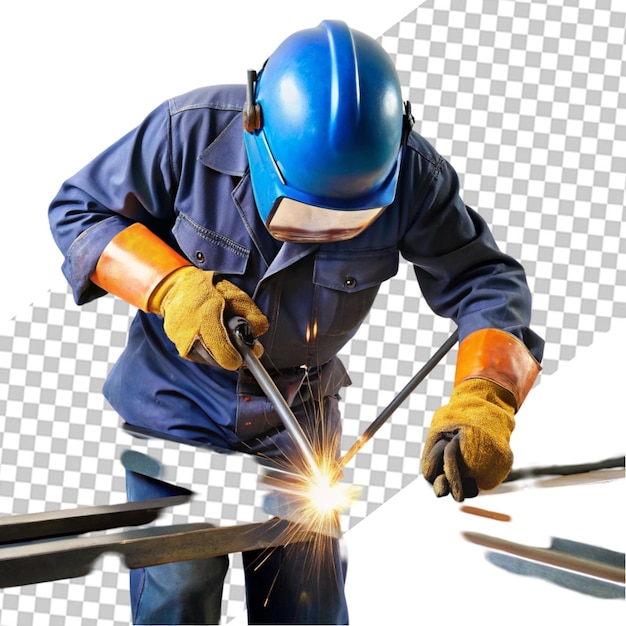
<point x="288" y="200"/>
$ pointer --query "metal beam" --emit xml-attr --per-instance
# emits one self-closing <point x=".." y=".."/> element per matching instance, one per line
<point x="69" y="558"/>
<point x="66" y="522"/>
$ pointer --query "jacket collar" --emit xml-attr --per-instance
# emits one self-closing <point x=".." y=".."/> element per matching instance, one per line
<point x="227" y="153"/>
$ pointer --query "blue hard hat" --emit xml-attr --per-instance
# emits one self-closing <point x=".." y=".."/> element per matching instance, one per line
<point x="324" y="123"/>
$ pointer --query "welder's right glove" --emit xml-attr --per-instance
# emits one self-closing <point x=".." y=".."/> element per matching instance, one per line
<point x="467" y="448"/>
<point x="194" y="309"/>
<point x="142" y="269"/>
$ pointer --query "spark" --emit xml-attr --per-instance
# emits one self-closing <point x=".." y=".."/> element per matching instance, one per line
<point x="311" y="331"/>
<point x="312" y="502"/>
<point x="312" y="494"/>
<point x="326" y="497"/>
<point x="313" y="499"/>
<point x="309" y="492"/>
<point x="324" y="491"/>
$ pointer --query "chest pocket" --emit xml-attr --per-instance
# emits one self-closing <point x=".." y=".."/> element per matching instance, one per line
<point x="209" y="250"/>
<point x="346" y="285"/>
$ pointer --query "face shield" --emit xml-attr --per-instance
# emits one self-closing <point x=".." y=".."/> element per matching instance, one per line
<point x="296" y="221"/>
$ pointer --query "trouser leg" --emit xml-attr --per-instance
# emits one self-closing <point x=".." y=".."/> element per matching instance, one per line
<point x="188" y="592"/>
<point x="301" y="583"/>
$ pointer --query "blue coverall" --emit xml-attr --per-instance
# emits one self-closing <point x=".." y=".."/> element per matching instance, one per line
<point x="183" y="173"/>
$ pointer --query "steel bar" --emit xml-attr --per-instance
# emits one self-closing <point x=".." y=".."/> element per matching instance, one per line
<point x="65" y="522"/>
<point x="400" y="398"/>
<point x="561" y="560"/>
<point x="564" y="470"/>
<point x="69" y="558"/>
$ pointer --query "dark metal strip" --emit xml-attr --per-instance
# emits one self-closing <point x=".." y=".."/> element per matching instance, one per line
<point x="69" y="558"/>
<point x="66" y="522"/>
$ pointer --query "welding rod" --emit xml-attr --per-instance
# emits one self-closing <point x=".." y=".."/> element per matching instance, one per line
<point x="399" y="399"/>
<point x="243" y="344"/>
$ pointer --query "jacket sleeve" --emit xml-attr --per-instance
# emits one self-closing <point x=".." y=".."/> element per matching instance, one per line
<point x="461" y="270"/>
<point x="132" y="181"/>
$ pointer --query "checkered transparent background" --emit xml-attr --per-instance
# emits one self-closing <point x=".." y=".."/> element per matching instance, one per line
<point x="526" y="98"/>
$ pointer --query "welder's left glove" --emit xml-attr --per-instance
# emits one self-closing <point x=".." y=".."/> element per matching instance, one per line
<point x="467" y="448"/>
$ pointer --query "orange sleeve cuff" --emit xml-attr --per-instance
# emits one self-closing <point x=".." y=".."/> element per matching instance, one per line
<point x="498" y="356"/>
<point x="133" y="263"/>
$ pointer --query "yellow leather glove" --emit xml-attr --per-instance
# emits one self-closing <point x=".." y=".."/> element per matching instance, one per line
<point x="195" y="308"/>
<point x="467" y="447"/>
<point x="143" y="270"/>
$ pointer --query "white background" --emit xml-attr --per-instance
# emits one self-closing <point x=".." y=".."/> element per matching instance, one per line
<point x="77" y="75"/>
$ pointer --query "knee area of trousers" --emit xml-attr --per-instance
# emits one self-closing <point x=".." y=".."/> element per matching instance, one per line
<point x="196" y="576"/>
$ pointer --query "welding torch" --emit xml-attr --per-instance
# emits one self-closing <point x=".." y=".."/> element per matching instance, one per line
<point x="243" y="340"/>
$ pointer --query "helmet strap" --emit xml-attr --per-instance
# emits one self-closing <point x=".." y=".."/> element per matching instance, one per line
<point x="407" y="122"/>
<point x="252" y="110"/>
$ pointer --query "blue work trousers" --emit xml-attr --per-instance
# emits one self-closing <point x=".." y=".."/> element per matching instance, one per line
<point x="301" y="583"/>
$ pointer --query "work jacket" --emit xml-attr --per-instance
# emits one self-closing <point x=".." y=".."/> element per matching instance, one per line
<point x="183" y="172"/>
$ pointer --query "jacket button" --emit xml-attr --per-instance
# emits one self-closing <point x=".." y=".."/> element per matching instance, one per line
<point x="350" y="282"/>
<point x="199" y="257"/>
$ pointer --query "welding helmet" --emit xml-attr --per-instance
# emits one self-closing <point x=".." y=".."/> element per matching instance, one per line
<point x="323" y="130"/>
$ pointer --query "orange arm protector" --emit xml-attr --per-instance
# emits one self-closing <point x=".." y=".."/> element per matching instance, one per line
<point x="133" y="264"/>
<point x="498" y="356"/>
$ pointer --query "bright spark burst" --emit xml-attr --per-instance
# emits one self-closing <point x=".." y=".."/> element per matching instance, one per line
<point x="325" y="493"/>
<point x="311" y="494"/>
<point x="326" y="497"/>
<point x="313" y="499"/>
